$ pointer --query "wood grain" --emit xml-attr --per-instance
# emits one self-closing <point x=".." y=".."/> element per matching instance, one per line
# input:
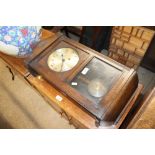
<point x="145" y="118"/>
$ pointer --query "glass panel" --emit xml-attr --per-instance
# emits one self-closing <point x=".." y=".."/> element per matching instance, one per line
<point x="95" y="80"/>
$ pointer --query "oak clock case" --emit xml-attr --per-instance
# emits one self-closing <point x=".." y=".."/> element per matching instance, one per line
<point x="98" y="84"/>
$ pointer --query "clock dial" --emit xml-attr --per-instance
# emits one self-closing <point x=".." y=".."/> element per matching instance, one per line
<point x="63" y="59"/>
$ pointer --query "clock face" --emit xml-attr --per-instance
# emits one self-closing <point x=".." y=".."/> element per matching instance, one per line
<point x="63" y="59"/>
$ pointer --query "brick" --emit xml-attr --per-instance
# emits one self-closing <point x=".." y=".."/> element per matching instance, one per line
<point x="139" y="34"/>
<point x="120" y="27"/>
<point x="119" y="43"/>
<point x="120" y="52"/>
<point x="124" y="39"/>
<point x="126" y="54"/>
<point x="145" y="45"/>
<point x="136" y="42"/>
<point x="129" y="64"/>
<point x="117" y="31"/>
<point x="113" y="48"/>
<point x="115" y="56"/>
<point x="147" y="36"/>
<point x="134" y="59"/>
<point x="134" y="31"/>
<point x="125" y="35"/>
<point x="123" y="58"/>
<point x="116" y="35"/>
<point x="140" y="52"/>
<point x="129" y="47"/>
<point x="122" y="61"/>
<point x="113" y="40"/>
<point x="127" y="29"/>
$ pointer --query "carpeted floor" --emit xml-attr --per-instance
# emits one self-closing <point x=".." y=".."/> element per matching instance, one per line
<point x="22" y="107"/>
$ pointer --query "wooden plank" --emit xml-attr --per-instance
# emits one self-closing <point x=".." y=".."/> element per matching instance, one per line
<point x="145" y="118"/>
<point x="15" y="63"/>
<point x="18" y="63"/>
<point x="129" y="106"/>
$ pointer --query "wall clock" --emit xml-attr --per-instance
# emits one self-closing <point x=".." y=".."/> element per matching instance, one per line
<point x="98" y="84"/>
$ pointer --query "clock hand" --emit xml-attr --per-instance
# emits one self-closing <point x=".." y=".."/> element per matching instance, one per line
<point x="63" y="60"/>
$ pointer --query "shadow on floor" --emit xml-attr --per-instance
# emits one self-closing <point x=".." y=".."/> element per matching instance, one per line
<point x="4" y="124"/>
<point x="17" y="102"/>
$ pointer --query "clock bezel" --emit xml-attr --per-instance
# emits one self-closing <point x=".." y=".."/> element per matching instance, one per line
<point x="52" y="52"/>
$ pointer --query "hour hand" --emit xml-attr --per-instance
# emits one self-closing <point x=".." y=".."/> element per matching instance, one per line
<point x="62" y="62"/>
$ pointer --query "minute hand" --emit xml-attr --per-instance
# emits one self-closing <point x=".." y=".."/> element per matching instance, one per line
<point x="63" y="60"/>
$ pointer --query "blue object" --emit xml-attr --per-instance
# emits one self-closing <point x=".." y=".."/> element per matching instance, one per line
<point x="19" y="40"/>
